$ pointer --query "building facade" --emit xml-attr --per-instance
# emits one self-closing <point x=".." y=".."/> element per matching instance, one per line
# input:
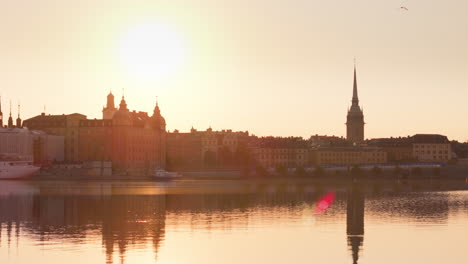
<point x="36" y="146"/>
<point x="206" y="149"/>
<point x="133" y="141"/>
<point x="60" y="125"/>
<point x="355" y="118"/>
<point x="398" y="149"/>
<point x="348" y="156"/>
<point x="271" y="152"/>
<point x="431" y="148"/>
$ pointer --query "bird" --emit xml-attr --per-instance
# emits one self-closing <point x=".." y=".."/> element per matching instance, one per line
<point x="404" y="8"/>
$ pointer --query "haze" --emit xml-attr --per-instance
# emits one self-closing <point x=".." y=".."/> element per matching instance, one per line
<point x="272" y="67"/>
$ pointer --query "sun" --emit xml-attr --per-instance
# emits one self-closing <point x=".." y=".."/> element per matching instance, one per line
<point x="152" y="51"/>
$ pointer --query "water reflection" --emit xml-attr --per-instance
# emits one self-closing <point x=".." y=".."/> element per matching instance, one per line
<point x="123" y="220"/>
<point x="355" y="220"/>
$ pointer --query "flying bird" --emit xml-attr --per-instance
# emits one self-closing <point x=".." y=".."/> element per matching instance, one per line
<point x="404" y="8"/>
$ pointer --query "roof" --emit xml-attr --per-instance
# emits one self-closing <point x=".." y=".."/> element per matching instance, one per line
<point x="430" y="139"/>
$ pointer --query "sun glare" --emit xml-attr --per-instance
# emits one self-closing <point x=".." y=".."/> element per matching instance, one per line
<point x="152" y="51"/>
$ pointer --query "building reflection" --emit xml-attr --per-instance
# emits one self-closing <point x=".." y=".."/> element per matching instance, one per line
<point x="355" y="220"/>
<point x="127" y="221"/>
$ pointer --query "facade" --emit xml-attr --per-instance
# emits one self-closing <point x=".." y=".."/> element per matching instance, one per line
<point x="271" y="152"/>
<point x="16" y="143"/>
<point x="206" y="149"/>
<point x="37" y="146"/>
<point x="321" y="141"/>
<point x="47" y="148"/>
<point x="60" y="125"/>
<point x="431" y="148"/>
<point x="348" y="156"/>
<point x="355" y="118"/>
<point x="133" y="141"/>
<point x="398" y="149"/>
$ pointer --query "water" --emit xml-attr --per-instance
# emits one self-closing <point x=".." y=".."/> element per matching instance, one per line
<point x="233" y="222"/>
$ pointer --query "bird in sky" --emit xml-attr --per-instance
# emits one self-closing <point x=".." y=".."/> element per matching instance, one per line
<point x="404" y="8"/>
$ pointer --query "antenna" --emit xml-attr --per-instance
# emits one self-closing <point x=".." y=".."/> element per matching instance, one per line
<point x="19" y="108"/>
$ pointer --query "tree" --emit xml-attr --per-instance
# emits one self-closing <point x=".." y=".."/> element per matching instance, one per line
<point x="318" y="171"/>
<point x="281" y="170"/>
<point x="225" y="157"/>
<point x="376" y="170"/>
<point x="210" y="159"/>
<point x="416" y="171"/>
<point x="397" y="170"/>
<point x="356" y="170"/>
<point x="261" y="171"/>
<point x="300" y="171"/>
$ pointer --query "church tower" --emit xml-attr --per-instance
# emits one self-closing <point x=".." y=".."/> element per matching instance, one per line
<point x="10" y="119"/>
<point x="1" y="114"/>
<point x="109" y="111"/>
<point x="18" y="120"/>
<point x="355" y="118"/>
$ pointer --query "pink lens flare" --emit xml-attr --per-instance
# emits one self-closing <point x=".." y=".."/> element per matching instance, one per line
<point x="324" y="202"/>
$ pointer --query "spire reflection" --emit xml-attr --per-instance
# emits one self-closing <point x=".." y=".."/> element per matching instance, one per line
<point x="355" y="221"/>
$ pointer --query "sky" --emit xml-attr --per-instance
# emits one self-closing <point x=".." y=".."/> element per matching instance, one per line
<point x="272" y="67"/>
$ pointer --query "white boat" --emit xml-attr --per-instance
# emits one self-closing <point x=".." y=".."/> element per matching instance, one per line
<point x="163" y="174"/>
<point x="17" y="169"/>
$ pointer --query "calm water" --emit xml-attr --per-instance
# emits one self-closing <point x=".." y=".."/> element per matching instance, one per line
<point x="233" y="222"/>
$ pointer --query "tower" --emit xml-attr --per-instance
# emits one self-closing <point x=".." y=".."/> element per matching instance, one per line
<point x="18" y="120"/>
<point x="1" y="114"/>
<point x="109" y="111"/>
<point x="10" y="119"/>
<point x="355" y="119"/>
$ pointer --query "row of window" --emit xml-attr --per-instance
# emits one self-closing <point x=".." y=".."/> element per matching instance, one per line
<point x="431" y="152"/>
<point x="280" y="157"/>
<point x="432" y="146"/>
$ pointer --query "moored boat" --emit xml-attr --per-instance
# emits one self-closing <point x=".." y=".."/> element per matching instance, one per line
<point x="17" y="169"/>
<point x="163" y="174"/>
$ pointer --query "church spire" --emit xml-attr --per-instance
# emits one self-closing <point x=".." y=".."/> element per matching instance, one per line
<point x="10" y="119"/>
<point x="18" y="120"/>
<point x="1" y="114"/>
<point x="355" y="93"/>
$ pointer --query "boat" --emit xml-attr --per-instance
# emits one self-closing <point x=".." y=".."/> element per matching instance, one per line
<point x="163" y="174"/>
<point x="17" y="169"/>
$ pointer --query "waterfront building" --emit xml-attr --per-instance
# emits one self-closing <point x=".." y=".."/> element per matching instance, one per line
<point x="271" y="152"/>
<point x="206" y="149"/>
<point x="348" y="156"/>
<point x="60" y="125"/>
<point x="398" y="149"/>
<point x="355" y="118"/>
<point x="37" y="146"/>
<point x="16" y="143"/>
<point x="431" y="148"/>
<point x="318" y="140"/>
<point x="133" y="141"/>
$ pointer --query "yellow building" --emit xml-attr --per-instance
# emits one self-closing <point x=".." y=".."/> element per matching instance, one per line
<point x="348" y="156"/>
<point x="271" y="152"/>
<point x="431" y="148"/>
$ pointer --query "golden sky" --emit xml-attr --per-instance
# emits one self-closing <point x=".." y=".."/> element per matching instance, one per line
<point x="268" y="66"/>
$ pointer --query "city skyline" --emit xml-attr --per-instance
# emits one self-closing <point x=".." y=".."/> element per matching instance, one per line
<point x="285" y="73"/>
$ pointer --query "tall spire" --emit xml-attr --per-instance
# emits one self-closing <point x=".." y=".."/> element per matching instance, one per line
<point x="1" y="114"/>
<point x="355" y="93"/>
<point x="10" y="119"/>
<point x="18" y="120"/>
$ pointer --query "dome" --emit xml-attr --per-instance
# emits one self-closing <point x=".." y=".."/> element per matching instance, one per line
<point x="122" y="117"/>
